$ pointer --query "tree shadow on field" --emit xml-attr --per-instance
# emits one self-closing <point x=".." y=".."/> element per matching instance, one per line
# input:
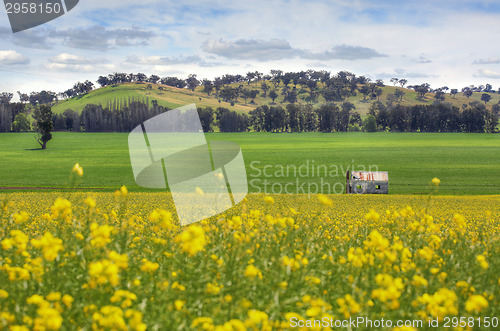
<point x="33" y="149"/>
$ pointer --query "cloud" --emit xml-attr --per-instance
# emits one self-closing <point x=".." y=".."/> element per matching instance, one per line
<point x="36" y="39"/>
<point x="344" y="52"/>
<point x="71" y="59"/>
<point x="76" y="63"/>
<point x="402" y="73"/>
<point x="491" y="60"/>
<point x="317" y="64"/>
<point x="5" y="31"/>
<point x="89" y="38"/>
<point x="487" y="73"/>
<point x="278" y="49"/>
<point x="251" y="49"/>
<point x="11" y="57"/>
<point x="102" y="39"/>
<point x="163" y="60"/>
<point x="422" y="59"/>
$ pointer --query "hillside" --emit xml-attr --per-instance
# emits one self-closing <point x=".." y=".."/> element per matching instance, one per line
<point x="174" y="97"/>
<point x="170" y="97"/>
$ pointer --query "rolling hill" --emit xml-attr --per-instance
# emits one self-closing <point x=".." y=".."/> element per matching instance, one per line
<point x="173" y="97"/>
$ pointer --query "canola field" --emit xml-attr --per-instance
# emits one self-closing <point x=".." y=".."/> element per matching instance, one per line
<point x="104" y="261"/>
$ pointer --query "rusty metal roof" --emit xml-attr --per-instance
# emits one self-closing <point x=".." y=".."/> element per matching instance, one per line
<point x="382" y="176"/>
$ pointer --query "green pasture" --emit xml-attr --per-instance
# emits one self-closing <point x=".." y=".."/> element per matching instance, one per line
<point x="465" y="163"/>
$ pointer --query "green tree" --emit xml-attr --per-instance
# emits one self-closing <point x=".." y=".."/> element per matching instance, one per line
<point x="454" y="92"/>
<point x="365" y="90"/>
<point x="370" y="124"/>
<point x="273" y="95"/>
<point x="44" y="125"/>
<point x="485" y="97"/>
<point x="208" y="86"/>
<point x="192" y="82"/>
<point x="21" y="123"/>
<point x="399" y="95"/>
<point x="467" y="92"/>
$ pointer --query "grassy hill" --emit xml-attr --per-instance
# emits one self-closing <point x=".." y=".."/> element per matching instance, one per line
<point x="171" y="97"/>
<point x="174" y="97"/>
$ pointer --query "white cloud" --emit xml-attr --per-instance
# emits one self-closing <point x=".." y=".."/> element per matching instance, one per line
<point x="12" y="57"/>
<point x="487" y="73"/>
<point x="422" y="59"/>
<point x="491" y="60"/>
<point x="162" y="60"/>
<point x="277" y="49"/>
<point x="72" y="59"/>
<point x="251" y="49"/>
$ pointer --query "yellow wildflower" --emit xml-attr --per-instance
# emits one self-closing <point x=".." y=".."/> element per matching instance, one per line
<point x="251" y="271"/>
<point x="476" y="303"/>
<point x="192" y="239"/>
<point x="50" y="246"/>
<point x="77" y="170"/>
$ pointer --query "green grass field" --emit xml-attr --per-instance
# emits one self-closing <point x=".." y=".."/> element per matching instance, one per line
<point x="465" y="163"/>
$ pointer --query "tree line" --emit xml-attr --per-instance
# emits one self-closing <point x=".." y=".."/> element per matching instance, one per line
<point x="123" y="116"/>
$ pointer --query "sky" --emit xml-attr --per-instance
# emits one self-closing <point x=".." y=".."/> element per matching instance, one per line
<point x="450" y="43"/>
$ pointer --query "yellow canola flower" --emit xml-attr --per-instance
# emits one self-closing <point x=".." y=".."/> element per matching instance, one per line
<point x="179" y="304"/>
<point x="77" y="170"/>
<point x="214" y="288"/>
<point x="48" y="318"/>
<point x="348" y="306"/>
<point x="101" y="234"/>
<point x="482" y="261"/>
<point x="121" y="260"/>
<point x="18" y="328"/>
<point x="436" y="181"/>
<point x="21" y="217"/>
<point x="109" y="318"/>
<point x="376" y="241"/>
<point x="325" y="200"/>
<point x="103" y="272"/>
<point x="192" y="239"/>
<point x="53" y="296"/>
<point x="148" y="266"/>
<point x="442" y="303"/>
<point x="123" y="296"/>
<point x="90" y="202"/>
<point x="404" y="328"/>
<point x="203" y="323"/>
<point x="67" y="300"/>
<point x="123" y="191"/>
<point x="252" y="271"/>
<point x="4" y="294"/>
<point x="372" y="216"/>
<point x="269" y="199"/>
<point x="61" y="208"/>
<point x="419" y="281"/>
<point x="476" y="304"/>
<point x="50" y="246"/>
<point x="135" y="320"/>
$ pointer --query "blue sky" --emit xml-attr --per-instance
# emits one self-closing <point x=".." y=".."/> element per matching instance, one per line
<point x="450" y="43"/>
